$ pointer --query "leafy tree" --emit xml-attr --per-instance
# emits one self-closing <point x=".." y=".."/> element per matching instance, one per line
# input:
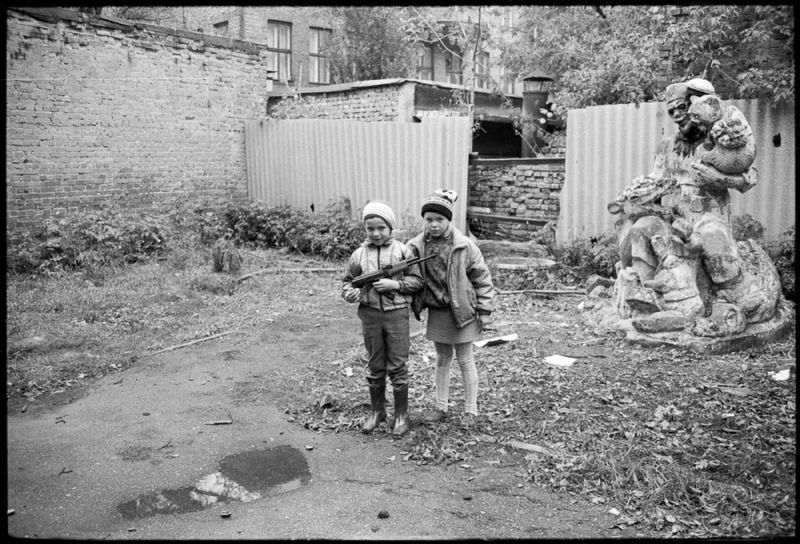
<point x="148" y="14"/>
<point x="750" y="46"/>
<point x="611" y="54"/>
<point x="372" y="42"/>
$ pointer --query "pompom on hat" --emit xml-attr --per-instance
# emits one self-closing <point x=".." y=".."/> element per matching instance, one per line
<point x="441" y="202"/>
<point x="380" y="209"/>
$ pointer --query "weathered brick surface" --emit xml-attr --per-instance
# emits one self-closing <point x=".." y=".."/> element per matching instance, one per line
<point x="372" y="104"/>
<point x="99" y="111"/>
<point x="528" y="188"/>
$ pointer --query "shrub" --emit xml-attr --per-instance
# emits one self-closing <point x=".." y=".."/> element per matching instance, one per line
<point x="745" y="227"/>
<point x="594" y="255"/>
<point x="85" y="240"/>
<point x="782" y="252"/>
<point x="330" y="234"/>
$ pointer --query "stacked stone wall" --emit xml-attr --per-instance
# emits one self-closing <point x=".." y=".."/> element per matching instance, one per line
<point x="518" y="189"/>
<point x="101" y="111"/>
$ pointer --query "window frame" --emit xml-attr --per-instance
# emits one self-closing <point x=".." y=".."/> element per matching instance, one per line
<point x="317" y="59"/>
<point x="451" y="74"/>
<point x="482" y="76"/>
<point x="422" y="70"/>
<point x="279" y="58"/>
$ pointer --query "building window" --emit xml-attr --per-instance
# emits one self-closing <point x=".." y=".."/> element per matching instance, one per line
<point x="221" y="28"/>
<point x="508" y="81"/>
<point x="279" y="44"/>
<point x="452" y="64"/>
<point x="319" y="64"/>
<point x="425" y="63"/>
<point x="482" y="78"/>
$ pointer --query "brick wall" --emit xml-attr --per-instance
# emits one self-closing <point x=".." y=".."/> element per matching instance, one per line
<point x="518" y="188"/>
<point x="100" y="111"/>
<point x="370" y="104"/>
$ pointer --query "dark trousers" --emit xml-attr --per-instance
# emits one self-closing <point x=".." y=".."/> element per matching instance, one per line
<point x="386" y="339"/>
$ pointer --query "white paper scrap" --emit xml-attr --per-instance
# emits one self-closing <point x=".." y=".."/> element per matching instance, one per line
<point x="783" y="375"/>
<point x="559" y="360"/>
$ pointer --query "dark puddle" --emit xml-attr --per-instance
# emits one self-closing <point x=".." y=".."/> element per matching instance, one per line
<point x="243" y="477"/>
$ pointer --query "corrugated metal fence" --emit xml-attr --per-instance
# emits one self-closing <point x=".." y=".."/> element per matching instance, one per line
<point x="607" y="146"/>
<point x="319" y="161"/>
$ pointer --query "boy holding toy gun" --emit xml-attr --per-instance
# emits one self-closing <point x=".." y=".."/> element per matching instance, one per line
<point x="382" y="283"/>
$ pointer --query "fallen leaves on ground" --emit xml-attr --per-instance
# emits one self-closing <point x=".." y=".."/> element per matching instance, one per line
<point x="681" y="443"/>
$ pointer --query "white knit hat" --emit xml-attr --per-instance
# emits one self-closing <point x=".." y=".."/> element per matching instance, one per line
<point x="382" y="210"/>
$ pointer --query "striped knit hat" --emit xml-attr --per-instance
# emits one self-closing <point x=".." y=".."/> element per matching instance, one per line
<point x="380" y="209"/>
<point x="441" y="202"/>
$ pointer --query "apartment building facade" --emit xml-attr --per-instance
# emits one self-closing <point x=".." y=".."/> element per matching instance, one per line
<point x="295" y="37"/>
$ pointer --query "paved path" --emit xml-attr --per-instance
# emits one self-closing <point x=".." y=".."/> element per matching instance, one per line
<point x="72" y="461"/>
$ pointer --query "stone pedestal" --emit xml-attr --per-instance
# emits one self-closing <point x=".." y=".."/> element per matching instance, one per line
<point x="754" y="335"/>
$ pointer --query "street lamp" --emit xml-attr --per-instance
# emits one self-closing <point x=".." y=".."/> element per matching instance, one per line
<point x="535" y="87"/>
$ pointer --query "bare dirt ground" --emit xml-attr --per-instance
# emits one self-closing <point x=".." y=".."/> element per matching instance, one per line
<point x="628" y="442"/>
<point x="75" y="457"/>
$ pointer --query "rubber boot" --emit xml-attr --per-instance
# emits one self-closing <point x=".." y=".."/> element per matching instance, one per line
<point x="400" y="411"/>
<point x="377" y="397"/>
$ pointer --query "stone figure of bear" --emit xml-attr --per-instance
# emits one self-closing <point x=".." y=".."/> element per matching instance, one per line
<point x="730" y="145"/>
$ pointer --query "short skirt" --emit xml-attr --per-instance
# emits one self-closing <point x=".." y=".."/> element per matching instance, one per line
<point x="442" y="328"/>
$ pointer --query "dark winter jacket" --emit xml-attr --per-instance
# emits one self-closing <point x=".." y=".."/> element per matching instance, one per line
<point x="468" y="279"/>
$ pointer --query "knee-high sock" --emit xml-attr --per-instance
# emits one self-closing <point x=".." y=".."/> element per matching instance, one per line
<point x="469" y="373"/>
<point x="444" y="356"/>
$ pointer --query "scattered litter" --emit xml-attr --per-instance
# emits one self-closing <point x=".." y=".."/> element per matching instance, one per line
<point x="781" y="376"/>
<point x="738" y="391"/>
<point x="24" y="409"/>
<point x="10" y="511"/>
<point x="465" y="466"/>
<point x="348" y="371"/>
<point x="383" y="514"/>
<point x="219" y="422"/>
<point x="528" y="447"/>
<point x="613" y="511"/>
<point x="559" y="360"/>
<point x="60" y="419"/>
<point x="495" y="341"/>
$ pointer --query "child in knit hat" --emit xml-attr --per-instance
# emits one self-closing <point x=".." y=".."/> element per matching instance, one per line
<point x="383" y="308"/>
<point x="459" y="296"/>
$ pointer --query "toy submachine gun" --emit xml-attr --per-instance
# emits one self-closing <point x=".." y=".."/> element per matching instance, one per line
<point x="387" y="271"/>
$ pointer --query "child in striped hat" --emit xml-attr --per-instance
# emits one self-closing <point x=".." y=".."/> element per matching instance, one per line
<point x="383" y="308"/>
<point x="458" y="294"/>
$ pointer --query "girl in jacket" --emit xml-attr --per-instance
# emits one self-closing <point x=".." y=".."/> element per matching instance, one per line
<point x="458" y="294"/>
<point x="383" y="308"/>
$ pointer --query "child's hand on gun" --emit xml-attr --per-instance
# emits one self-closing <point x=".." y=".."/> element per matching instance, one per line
<point x="384" y="285"/>
<point x="352" y="295"/>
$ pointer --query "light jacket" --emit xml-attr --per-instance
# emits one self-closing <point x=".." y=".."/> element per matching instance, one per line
<point x="468" y="279"/>
<point x="370" y="258"/>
